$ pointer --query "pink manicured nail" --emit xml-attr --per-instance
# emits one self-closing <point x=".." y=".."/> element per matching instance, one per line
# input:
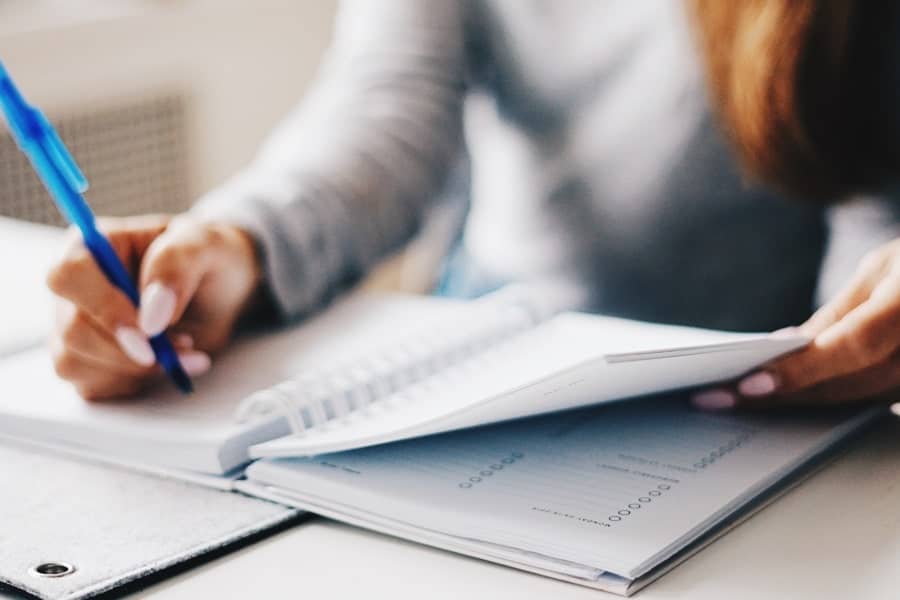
<point x="157" y="307"/>
<point x="135" y="346"/>
<point x="183" y="340"/>
<point x="761" y="383"/>
<point x="195" y="363"/>
<point x="714" y="400"/>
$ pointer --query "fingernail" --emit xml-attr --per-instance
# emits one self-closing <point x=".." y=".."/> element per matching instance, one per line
<point x="135" y="346"/>
<point x="195" y="363"/>
<point x="157" y="307"/>
<point x="714" y="400"/>
<point x="183" y="340"/>
<point x="761" y="383"/>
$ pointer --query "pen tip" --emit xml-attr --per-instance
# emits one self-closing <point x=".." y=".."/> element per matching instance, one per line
<point x="182" y="381"/>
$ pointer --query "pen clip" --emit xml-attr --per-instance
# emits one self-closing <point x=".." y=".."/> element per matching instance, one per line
<point x="60" y="154"/>
<point x="29" y="125"/>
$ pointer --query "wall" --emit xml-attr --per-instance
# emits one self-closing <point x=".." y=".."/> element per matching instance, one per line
<point x="243" y="64"/>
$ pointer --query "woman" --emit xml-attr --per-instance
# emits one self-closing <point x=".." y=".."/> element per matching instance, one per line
<point x="717" y="164"/>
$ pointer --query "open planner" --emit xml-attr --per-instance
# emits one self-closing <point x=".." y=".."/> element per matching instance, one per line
<point x="419" y="417"/>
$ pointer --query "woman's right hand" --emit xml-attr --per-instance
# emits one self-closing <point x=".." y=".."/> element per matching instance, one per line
<point x="196" y="280"/>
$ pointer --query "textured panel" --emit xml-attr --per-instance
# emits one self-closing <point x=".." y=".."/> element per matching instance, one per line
<point x="114" y="527"/>
<point x="133" y="154"/>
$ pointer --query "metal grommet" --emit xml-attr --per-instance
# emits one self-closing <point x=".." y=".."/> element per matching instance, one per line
<point x="51" y="569"/>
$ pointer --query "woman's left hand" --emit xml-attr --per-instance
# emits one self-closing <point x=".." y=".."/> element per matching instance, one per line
<point x="854" y="353"/>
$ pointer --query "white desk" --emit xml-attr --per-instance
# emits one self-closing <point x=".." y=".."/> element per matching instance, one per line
<point x="835" y="536"/>
<point x="26" y="253"/>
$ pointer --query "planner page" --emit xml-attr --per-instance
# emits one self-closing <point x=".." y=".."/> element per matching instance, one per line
<point x="571" y="360"/>
<point x="617" y="488"/>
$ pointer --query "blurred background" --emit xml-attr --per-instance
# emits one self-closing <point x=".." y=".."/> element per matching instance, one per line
<point x="159" y="100"/>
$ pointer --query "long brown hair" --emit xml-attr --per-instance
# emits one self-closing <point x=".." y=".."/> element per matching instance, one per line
<point x="800" y="89"/>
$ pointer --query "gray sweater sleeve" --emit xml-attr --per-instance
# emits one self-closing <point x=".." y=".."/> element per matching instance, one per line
<point x="348" y="175"/>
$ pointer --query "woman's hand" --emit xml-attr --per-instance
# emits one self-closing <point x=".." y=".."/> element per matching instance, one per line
<point x="854" y="353"/>
<point x="196" y="279"/>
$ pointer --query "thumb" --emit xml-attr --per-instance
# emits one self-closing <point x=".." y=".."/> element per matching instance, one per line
<point x="171" y="271"/>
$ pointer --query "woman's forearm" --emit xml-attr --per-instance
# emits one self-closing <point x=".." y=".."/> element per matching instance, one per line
<point x="346" y="178"/>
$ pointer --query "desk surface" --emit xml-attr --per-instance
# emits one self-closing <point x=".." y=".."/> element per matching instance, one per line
<point x="835" y="536"/>
<point x="26" y="253"/>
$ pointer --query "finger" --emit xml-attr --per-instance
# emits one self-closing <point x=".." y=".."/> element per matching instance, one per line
<point x="78" y="279"/>
<point x="77" y="328"/>
<point x="715" y="399"/>
<point x="132" y="235"/>
<point x="868" y="333"/>
<point x="98" y="384"/>
<point x="857" y="386"/>
<point x="195" y="362"/>
<point x="182" y="341"/>
<point x="91" y="380"/>
<point x="94" y="380"/>
<point x="852" y="295"/>
<point x="866" y="384"/>
<point x="81" y="334"/>
<point x="71" y="364"/>
<point x="78" y="332"/>
<point x="171" y="272"/>
<point x="863" y="338"/>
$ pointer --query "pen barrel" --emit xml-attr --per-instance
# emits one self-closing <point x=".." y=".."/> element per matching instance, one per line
<point x="65" y="182"/>
<point x="106" y="258"/>
<point x="69" y="202"/>
<point x="74" y="208"/>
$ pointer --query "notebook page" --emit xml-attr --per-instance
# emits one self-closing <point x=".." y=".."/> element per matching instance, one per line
<point x="616" y="488"/>
<point x="166" y="427"/>
<point x="568" y="361"/>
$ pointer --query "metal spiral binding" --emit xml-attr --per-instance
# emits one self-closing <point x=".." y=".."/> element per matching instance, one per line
<point x="309" y="401"/>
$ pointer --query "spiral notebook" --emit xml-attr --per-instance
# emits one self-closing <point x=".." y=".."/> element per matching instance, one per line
<point x="608" y="496"/>
<point x="373" y="370"/>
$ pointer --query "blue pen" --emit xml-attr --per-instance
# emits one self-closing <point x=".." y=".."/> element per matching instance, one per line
<point x="57" y="169"/>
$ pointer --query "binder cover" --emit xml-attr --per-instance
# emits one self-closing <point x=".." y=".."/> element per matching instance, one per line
<point x="71" y="529"/>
